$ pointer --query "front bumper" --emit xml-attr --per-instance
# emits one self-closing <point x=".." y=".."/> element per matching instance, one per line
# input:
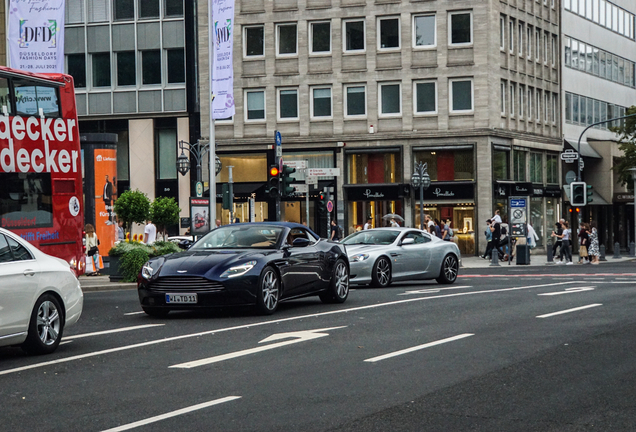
<point x="360" y="272"/>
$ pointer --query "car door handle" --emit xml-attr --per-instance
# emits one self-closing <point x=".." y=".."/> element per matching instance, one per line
<point x="29" y="272"/>
<point x="394" y="254"/>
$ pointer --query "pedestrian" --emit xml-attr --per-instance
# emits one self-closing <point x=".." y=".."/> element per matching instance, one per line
<point x="565" y="246"/>
<point x="150" y="232"/>
<point x="557" y="235"/>
<point x="584" y="243"/>
<point x="495" y="228"/>
<point x="532" y="236"/>
<point x="336" y="231"/>
<point x="438" y="228"/>
<point x="394" y="223"/>
<point x="237" y="220"/>
<point x="120" y="230"/>
<point x="497" y="217"/>
<point x="593" y="250"/>
<point x="430" y="225"/>
<point x="489" y="244"/>
<point x="369" y="224"/>
<point x="448" y="231"/>
<point x="218" y="223"/>
<point x="92" y="250"/>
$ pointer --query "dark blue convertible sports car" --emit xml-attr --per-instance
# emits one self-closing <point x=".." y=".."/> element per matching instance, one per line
<point x="257" y="264"/>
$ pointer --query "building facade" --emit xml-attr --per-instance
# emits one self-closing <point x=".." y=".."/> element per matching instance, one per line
<point x="599" y="54"/>
<point x="373" y="87"/>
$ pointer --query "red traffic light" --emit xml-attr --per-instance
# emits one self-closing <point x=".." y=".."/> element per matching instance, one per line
<point x="321" y="196"/>
<point x="273" y="171"/>
<point x="577" y="210"/>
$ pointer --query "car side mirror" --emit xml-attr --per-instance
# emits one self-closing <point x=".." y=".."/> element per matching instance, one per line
<point x="407" y="241"/>
<point x="301" y="242"/>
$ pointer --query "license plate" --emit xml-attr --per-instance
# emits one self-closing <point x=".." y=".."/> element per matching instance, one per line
<point x="181" y="298"/>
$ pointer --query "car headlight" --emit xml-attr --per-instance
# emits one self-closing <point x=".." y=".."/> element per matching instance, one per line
<point x="239" y="269"/>
<point x="147" y="271"/>
<point x="73" y="263"/>
<point x="358" y="257"/>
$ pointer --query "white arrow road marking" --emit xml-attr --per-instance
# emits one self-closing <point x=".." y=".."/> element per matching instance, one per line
<point x="434" y="290"/>
<point x="569" y="310"/>
<point x="419" y="347"/>
<point x="568" y="291"/>
<point x="172" y="414"/>
<point x="299" y="336"/>
<point x="99" y="333"/>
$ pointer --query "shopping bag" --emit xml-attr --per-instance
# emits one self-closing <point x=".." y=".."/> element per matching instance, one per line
<point x="582" y="251"/>
<point x="99" y="261"/>
<point x="90" y="265"/>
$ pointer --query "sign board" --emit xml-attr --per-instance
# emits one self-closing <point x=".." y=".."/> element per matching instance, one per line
<point x="185" y="222"/>
<point x="301" y="188"/>
<point x="199" y="189"/>
<point x="278" y="138"/>
<point x="519" y="202"/>
<point x="570" y="177"/>
<point x="199" y="217"/>
<point x="569" y="156"/>
<point x="313" y="180"/>
<point x="298" y="164"/>
<point x="329" y="206"/>
<point x="518" y="216"/>
<point x="581" y="164"/>
<point x="323" y="172"/>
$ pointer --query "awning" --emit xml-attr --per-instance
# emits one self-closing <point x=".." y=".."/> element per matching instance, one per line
<point x="586" y="148"/>
<point x="596" y="198"/>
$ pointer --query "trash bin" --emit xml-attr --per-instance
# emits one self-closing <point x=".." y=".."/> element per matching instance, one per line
<point x="523" y="255"/>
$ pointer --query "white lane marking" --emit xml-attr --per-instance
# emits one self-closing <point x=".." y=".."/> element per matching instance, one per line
<point x="299" y="336"/>
<point x="419" y="347"/>
<point x="568" y="291"/>
<point x="623" y="282"/>
<point x="569" y="310"/>
<point x="119" y="330"/>
<point x="134" y="313"/>
<point x="172" y="414"/>
<point x="433" y="290"/>
<point x="264" y="323"/>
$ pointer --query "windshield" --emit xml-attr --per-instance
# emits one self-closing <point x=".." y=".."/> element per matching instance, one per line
<point x="372" y="237"/>
<point x="240" y="236"/>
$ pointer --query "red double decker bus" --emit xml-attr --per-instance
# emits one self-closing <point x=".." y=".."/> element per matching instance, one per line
<point x="41" y="196"/>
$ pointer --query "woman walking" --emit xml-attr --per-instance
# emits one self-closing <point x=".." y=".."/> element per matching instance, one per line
<point x="565" y="244"/>
<point x="92" y="250"/>
<point x="584" y="243"/>
<point x="593" y="250"/>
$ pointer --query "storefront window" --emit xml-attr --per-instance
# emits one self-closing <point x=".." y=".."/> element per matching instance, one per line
<point x="242" y="212"/>
<point x="448" y="165"/>
<point x="374" y="168"/>
<point x="500" y="164"/>
<point x="536" y="218"/>
<point x="552" y="165"/>
<point x="536" y="168"/>
<point x="462" y="222"/>
<point x="246" y="168"/>
<point x="551" y="213"/>
<point x="360" y="211"/>
<point x="519" y="161"/>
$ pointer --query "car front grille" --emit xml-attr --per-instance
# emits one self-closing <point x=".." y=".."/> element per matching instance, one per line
<point x="185" y="283"/>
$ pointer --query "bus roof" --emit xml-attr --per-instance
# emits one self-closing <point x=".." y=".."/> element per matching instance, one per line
<point x="57" y="79"/>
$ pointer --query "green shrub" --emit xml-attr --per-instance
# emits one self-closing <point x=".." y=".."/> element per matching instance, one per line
<point x="157" y="249"/>
<point x="131" y="262"/>
<point x="164" y="248"/>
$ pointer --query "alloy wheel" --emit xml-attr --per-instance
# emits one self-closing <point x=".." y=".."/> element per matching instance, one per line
<point x="342" y="279"/>
<point x="48" y="323"/>
<point x="270" y="290"/>
<point x="450" y="268"/>
<point x="383" y="272"/>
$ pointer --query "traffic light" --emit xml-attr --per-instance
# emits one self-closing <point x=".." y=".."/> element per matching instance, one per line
<point x="578" y="194"/>
<point x="227" y="202"/>
<point x="272" y="182"/>
<point x="322" y="202"/>
<point x="588" y="193"/>
<point x="286" y="188"/>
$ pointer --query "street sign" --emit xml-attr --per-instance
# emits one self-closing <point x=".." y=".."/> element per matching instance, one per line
<point x="323" y="172"/>
<point x="313" y="180"/>
<point x="570" y="177"/>
<point x="278" y="138"/>
<point x="199" y="189"/>
<point x="521" y="202"/>
<point x="569" y="156"/>
<point x="302" y="188"/>
<point x="581" y="164"/>
<point x="330" y="206"/>
<point x="518" y="216"/>
<point x="298" y="164"/>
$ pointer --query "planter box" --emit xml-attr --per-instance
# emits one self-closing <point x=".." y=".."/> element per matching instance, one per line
<point x="113" y="269"/>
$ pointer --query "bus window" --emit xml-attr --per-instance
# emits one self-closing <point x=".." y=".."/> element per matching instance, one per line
<point x="25" y="200"/>
<point x="5" y="99"/>
<point x="30" y="98"/>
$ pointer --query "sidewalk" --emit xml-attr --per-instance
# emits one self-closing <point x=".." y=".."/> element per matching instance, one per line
<point x="535" y="261"/>
<point x="103" y="283"/>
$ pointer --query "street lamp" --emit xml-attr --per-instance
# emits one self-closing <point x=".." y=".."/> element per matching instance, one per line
<point x="421" y="179"/>
<point x="633" y="171"/>
<point x="197" y="151"/>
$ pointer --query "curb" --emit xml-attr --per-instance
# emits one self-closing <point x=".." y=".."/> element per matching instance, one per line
<point x="116" y="286"/>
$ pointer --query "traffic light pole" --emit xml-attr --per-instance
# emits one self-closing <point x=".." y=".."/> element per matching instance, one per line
<point x="231" y="189"/>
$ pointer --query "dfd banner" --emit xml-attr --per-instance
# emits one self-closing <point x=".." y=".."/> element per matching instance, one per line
<point x="36" y="35"/>
<point x="221" y="23"/>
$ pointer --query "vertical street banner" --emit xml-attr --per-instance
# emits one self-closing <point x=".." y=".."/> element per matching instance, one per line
<point x="221" y="24"/>
<point x="105" y="190"/>
<point x="36" y="35"/>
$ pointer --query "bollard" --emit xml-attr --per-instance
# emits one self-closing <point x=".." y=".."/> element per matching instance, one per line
<point x="602" y="253"/>
<point x="548" y="247"/>
<point x="631" y="249"/>
<point x="495" y="258"/>
<point x="617" y="251"/>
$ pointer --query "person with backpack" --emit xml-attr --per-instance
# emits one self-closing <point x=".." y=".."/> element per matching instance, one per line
<point x="448" y="231"/>
<point x="336" y="231"/>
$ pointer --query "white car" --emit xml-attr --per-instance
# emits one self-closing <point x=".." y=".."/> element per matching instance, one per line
<point x="39" y="296"/>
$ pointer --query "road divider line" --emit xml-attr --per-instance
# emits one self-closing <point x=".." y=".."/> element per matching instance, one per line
<point x="172" y="414"/>
<point x="419" y="347"/>
<point x="119" y="330"/>
<point x="264" y="323"/>
<point x="433" y="290"/>
<point x="134" y="313"/>
<point x="568" y="291"/>
<point x="569" y="310"/>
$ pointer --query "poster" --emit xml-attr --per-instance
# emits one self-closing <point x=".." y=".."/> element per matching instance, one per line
<point x="105" y="195"/>
<point x="36" y="35"/>
<point x="221" y="17"/>
<point x="199" y="217"/>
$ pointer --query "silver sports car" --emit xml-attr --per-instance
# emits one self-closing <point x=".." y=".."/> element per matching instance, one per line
<point x="383" y="255"/>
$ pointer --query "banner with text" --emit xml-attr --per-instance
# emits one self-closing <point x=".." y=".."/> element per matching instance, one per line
<point x="105" y="196"/>
<point x="221" y="22"/>
<point x="36" y="35"/>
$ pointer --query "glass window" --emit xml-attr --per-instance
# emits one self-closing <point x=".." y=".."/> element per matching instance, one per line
<point x="148" y="8"/>
<point x="354" y="35"/>
<point x="254" y="41"/>
<point x="500" y="164"/>
<point x="390" y="100"/>
<point x="536" y="168"/>
<point x="567" y="51"/>
<point x="614" y="68"/>
<point x="20" y="253"/>
<point x="582" y="110"/>
<point x="424" y="30"/>
<point x="30" y="98"/>
<point x="552" y="168"/>
<point x="288" y="104"/>
<point x="461" y="28"/>
<point x="124" y="9"/>
<point x="595" y="11"/>
<point x="287" y="39"/>
<point x="5" y="96"/>
<point x="26" y="200"/>
<point x="513" y="91"/>
<point x="321" y="102"/>
<point x="461" y="95"/>
<point x="101" y="69"/>
<point x="166" y="153"/>
<point x="602" y="64"/>
<point x="374" y="168"/>
<point x="425" y="97"/>
<point x="151" y="67"/>
<point x="582" y="54"/>
<point x="522" y="92"/>
<point x="590" y="111"/>
<point x="529" y="41"/>
<point x="448" y="165"/>
<point x="621" y="70"/>
<point x="356" y="101"/>
<point x="176" y="65"/>
<point x="520" y="39"/>
<point x="602" y="12"/>
<point x="320" y="37"/>
<point x="588" y="59"/>
<point x="536" y="217"/>
<point x="511" y="37"/>
<point x="595" y="61"/>
<point x="502" y="97"/>
<point x="76" y="67"/>
<point x="126" y="72"/>
<point x="255" y="105"/>
<point x="5" y="252"/>
<point x="568" y="107"/>
<point x="502" y="32"/>
<point x="597" y="111"/>
<point x="174" y="8"/>
<point x="519" y="165"/>
<point x="389" y="33"/>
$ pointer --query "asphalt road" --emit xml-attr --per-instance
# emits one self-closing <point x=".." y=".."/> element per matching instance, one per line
<point x="508" y="349"/>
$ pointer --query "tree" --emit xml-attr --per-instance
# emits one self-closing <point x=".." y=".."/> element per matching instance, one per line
<point x="627" y="143"/>
<point x="132" y="207"/>
<point x="164" y="212"/>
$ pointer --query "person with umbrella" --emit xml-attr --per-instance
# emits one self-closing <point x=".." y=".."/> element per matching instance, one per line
<point x="394" y="218"/>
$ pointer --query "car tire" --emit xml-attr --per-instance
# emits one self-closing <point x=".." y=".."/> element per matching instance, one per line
<point x="45" y="326"/>
<point x="268" y="291"/>
<point x="381" y="273"/>
<point x="156" y="312"/>
<point x="449" y="270"/>
<point x="338" y="290"/>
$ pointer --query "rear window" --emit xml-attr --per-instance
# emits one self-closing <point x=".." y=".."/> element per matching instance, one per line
<point x="26" y="200"/>
<point x="31" y="98"/>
